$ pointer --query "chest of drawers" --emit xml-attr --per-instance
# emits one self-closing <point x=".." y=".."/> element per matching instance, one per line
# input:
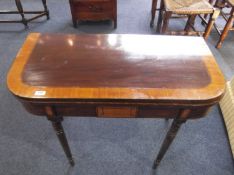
<point x="93" y="10"/>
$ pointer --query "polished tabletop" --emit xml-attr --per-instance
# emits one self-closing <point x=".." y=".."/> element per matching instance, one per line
<point x="116" y="67"/>
<point x="116" y="76"/>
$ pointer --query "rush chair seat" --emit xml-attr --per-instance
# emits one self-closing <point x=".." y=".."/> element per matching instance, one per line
<point x="189" y="9"/>
<point x="228" y="17"/>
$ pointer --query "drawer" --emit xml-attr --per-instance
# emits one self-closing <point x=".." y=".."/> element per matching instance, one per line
<point x="133" y="111"/>
<point x="93" y="16"/>
<point x="116" y="112"/>
<point x="93" y="7"/>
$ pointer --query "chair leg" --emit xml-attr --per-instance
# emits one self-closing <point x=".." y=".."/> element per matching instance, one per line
<point x="160" y="16"/>
<point x="220" y="4"/>
<point x="153" y="11"/>
<point x="74" y="21"/>
<point x="166" y="18"/>
<point x="211" y="2"/>
<point x="226" y="29"/>
<point x="211" y="23"/>
<point x="190" y="22"/>
<point x="46" y="9"/>
<point x="115" y="23"/>
<point x="115" y="14"/>
<point x="21" y="11"/>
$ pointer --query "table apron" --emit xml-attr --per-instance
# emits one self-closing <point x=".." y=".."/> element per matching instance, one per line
<point x="118" y="110"/>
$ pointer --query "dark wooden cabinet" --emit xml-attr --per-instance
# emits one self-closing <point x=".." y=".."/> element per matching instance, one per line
<point x="93" y="10"/>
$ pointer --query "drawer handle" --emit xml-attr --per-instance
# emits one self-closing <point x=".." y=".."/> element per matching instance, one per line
<point x="95" y="8"/>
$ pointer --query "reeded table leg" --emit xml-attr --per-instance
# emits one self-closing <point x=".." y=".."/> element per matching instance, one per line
<point x="56" y="122"/>
<point x="170" y="136"/>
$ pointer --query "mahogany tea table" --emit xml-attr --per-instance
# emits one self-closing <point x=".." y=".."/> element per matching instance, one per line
<point x="116" y="76"/>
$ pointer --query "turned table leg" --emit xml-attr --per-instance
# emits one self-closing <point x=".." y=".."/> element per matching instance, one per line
<point x="57" y="125"/>
<point x="171" y="135"/>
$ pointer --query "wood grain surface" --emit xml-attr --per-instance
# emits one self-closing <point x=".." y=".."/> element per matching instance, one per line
<point x="141" y="67"/>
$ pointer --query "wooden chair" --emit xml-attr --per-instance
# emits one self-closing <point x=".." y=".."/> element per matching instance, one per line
<point x="20" y="10"/>
<point x="184" y="8"/>
<point x="228" y="17"/>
